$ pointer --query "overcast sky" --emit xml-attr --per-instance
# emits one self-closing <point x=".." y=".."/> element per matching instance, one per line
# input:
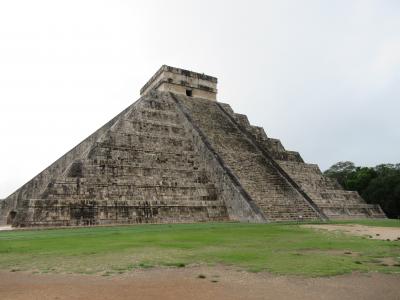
<point x="322" y="76"/>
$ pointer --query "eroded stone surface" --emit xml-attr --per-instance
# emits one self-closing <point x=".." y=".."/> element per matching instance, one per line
<point x="175" y="158"/>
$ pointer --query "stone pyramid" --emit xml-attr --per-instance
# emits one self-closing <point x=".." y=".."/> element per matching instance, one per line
<point x="178" y="155"/>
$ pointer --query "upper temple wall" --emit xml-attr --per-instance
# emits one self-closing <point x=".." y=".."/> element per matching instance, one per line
<point x="182" y="82"/>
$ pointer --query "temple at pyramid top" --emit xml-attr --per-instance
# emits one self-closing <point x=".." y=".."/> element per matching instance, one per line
<point x="183" y="82"/>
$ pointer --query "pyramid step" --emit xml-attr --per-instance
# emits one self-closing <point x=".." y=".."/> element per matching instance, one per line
<point x="263" y="183"/>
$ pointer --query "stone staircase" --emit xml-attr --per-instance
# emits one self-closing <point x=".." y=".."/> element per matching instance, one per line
<point x="171" y="158"/>
<point x="143" y="169"/>
<point x="270" y="190"/>
<point x="177" y="155"/>
<point x="327" y="194"/>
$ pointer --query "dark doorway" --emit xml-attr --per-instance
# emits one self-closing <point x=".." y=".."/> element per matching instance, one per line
<point x="11" y="217"/>
<point x="189" y="93"/>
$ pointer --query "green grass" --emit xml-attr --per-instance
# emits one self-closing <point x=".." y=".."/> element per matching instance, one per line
<point x="276" y="248"/>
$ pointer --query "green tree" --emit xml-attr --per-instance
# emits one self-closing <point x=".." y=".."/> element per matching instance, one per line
<point x="340" y="171"/>
<point x="359" y="179"/>
<point x="385" y="190"/>
<point x="378" y="185"/>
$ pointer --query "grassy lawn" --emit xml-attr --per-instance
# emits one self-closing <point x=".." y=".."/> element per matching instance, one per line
<point x="277" y="248"/>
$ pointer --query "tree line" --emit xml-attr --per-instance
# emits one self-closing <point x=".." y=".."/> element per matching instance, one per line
<point x="377" y="185"/>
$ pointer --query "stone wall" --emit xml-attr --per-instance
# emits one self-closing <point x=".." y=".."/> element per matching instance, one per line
<point x="144" y="168"/>
<point x="179" y="81"/>
<point x="35" y="187"/>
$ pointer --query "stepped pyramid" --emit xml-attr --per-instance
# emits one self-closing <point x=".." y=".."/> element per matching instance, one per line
<point x="178" y="155"/>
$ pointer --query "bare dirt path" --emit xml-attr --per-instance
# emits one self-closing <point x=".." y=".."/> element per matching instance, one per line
<point x="380" y="233"/>
<point x="219" y="283"/>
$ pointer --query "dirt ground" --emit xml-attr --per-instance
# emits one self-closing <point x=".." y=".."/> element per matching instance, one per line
<point x="185" y="283"/>
<point x="380" y="233"/>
